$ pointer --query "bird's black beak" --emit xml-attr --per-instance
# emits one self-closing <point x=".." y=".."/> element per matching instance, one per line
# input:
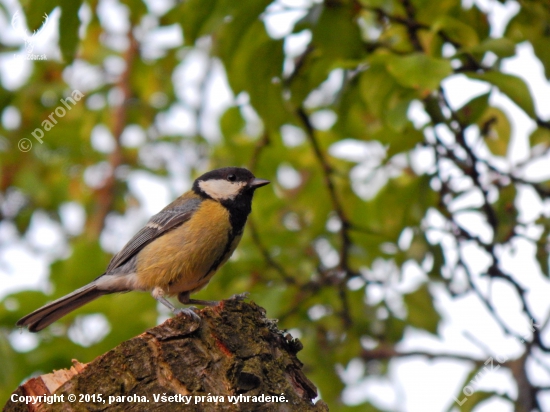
<point x="256" y="183"/>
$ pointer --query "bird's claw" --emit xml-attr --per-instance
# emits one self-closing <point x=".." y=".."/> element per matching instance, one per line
<point x="240" y="296"/>
<point x="188" y="313"/>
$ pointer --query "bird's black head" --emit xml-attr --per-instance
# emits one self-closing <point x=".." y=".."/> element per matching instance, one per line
<point x="228" y="185"/>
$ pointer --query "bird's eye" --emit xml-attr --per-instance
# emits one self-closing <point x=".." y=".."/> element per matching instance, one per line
<point x="231" y="177"/>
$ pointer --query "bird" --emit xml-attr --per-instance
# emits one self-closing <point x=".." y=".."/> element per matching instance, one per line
<point x="177" y="252"/>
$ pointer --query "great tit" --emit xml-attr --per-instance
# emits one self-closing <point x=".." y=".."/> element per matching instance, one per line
<point x="177" y="252"/>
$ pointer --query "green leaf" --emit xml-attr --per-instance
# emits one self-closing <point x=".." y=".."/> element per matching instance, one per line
<point x="540" y="135"/>
<point x="419" y="72"/>
<point x="495" y="128"/>
<point x="396" y="141"/>
<point x="541" y="46"/>
<point x="376" y="86"/>
<point x="193" y="16"/>
<point x="433" y="108"/>
<point x="385" y="98"/>
<point x="402" y="202"/>
<point x="70" y="23"/>
<point x="421" y="311"/>
<point x="438" y="261"/>
<point x="338" y="18"/>
<point x="232" y="122"/>
<point x="253" y="61"/>
<point x="542" y="247"/>
<point x="236" y="30"/>
<point x="529" y="23"/>
<point x="254" y="67"/>
<point x="475" y="18"/>
<point x="326" y="52"/>
<point x="350" y="111"/>
<point x="36" y="12"/>
<point x="506" y="214"/>
<point x="394" y="329"/>
<point x="502" y="47"/>
<point x="473" y="110"/>
<point x="456" y="31"/>
<point x="418" y="248"/>
<point x="512" y="86"/>
<point x="137" y="10"/>
<point x="396" y="115"/>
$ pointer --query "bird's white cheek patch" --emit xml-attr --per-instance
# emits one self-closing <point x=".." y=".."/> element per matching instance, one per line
<point x="221" y="189"/>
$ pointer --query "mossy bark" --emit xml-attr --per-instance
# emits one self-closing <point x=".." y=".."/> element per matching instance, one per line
<point x="234" y="350"/>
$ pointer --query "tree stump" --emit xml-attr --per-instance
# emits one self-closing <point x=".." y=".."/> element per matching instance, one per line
<point x="234" y="359"/>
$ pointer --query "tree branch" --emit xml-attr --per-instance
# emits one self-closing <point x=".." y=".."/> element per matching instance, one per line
<point x="234" y="350"/>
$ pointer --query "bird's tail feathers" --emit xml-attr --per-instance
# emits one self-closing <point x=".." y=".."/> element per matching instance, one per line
<point x="51" y="312"/>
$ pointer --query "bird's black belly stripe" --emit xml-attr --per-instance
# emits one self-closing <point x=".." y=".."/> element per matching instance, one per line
<point x="238" y="213"/>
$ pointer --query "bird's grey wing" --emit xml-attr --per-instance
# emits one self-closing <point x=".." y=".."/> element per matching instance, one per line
<point x="164" y="221"/>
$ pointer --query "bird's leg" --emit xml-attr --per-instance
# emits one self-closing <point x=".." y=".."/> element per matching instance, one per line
<point x="184" y="298"/>
<point x="158" y="294"/>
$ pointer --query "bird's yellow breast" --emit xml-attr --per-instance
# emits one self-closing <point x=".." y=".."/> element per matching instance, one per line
<point x="181" y="259"/>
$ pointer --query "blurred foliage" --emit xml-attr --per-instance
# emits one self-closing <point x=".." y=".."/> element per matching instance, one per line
<point x="331" y="241"/>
